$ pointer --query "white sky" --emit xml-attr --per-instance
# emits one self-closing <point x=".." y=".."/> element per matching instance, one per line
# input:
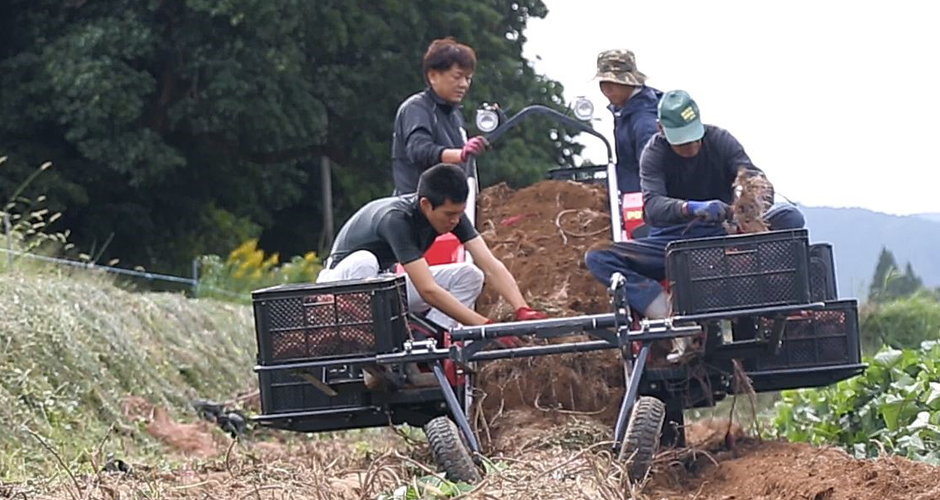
<point x="837" y="101"/>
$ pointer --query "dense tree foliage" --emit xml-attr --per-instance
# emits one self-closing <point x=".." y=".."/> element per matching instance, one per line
<point x="178" y="128"/>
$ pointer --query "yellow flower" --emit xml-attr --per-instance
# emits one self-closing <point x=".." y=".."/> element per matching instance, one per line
<point x="271" y="261"/>
<point x="246" y="248"/>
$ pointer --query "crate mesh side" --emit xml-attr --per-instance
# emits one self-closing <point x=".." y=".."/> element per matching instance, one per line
<point x="834" y="350"/>
<point x="289" y="392"/>
<point x="817" y="279"/>
<point x="801" y="352"/>
<point x="778" y="255"/>
<point x="286" y="313"/>
<point x="706" y="263"/>
<point x="321" y="325"/>
<point x="751" y="274"/>
<point x="821" y="339"/>
<point x="353" y="308"/>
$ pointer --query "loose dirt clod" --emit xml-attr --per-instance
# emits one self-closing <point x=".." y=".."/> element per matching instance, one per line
<point x="752" y="200"/>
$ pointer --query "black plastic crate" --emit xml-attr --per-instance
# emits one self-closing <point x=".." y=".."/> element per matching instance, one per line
<point x="727" y="273"/>
<point x="588" y="174"/>
<point x="287" y="391"/>
<point x="330" y="320"/>
<point x="824" y="337"/>
<point x="822" y="273"/>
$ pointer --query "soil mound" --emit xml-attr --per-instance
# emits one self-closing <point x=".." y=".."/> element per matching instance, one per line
<point x="541" y="233"/>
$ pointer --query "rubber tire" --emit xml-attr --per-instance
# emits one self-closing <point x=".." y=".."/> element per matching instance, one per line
<point x="450" y="452"/>
<point x="641" y="441"/>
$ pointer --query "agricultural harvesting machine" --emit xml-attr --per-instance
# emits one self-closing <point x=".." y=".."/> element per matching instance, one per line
<point x="348" y="355"/>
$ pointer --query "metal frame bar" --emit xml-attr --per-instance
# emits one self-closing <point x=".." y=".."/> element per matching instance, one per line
<point x="541" y="328"/>
<point x="808" y="370"/>
<point x="454" y="405"/>
<point x="757" y="311"/>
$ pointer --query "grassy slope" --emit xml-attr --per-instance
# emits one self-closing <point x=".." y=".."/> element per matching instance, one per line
<point x="72" y="347"/>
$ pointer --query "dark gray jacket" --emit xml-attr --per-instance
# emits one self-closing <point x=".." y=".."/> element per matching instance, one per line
<point x="669" y="180"/>
<point x="425" y="126"/>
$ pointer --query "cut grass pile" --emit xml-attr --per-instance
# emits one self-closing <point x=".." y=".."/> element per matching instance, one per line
<point x="73" y="347"/>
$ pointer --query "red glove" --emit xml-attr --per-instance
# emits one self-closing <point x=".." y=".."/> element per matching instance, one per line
<point x="509" y="342"/>
<point x="474" y="146"/>
<point x="526" y="313"/>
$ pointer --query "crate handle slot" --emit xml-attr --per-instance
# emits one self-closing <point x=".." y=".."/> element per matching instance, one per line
<point x="735" y="251"/>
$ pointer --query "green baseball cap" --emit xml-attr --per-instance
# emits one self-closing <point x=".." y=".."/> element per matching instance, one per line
<point x="680" y="118"/>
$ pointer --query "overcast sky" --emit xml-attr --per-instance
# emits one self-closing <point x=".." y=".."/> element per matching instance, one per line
<point x="838" y="102"/>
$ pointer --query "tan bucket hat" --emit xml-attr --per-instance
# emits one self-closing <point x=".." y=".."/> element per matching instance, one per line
<point x="619" y="66"/>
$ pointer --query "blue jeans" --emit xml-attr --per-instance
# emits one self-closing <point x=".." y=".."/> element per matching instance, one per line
<point x="643" y="261"/>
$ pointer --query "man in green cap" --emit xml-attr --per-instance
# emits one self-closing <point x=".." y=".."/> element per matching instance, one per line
<point x="633" y="105"/>
<point x="687" y="171"/>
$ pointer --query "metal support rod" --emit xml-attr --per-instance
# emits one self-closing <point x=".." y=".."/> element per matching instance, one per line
<point x="326" y="184"/>
<point x="757" y="311"/>
<point x="9" y="231"/>
<point x="613" y="195"/>
<point x="323" y="363"/>
<point x="455" y="408"/>
<point x="543" y="326"/>
<point x="541" y="350"/>
<point x="195" y="276"/>
<point x="626" y="408"/>
<point x="776" y="335"/>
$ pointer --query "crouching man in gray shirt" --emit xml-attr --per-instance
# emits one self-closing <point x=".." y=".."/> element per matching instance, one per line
<point x="401" y="229"/>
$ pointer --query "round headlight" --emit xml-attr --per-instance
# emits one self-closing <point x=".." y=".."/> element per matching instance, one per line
<point x="487" y="120"/>
<point x="583" y="108"/>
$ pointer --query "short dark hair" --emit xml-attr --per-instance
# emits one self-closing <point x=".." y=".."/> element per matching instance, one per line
<point x="443" y="53"/>
<point x="442" y="182"/>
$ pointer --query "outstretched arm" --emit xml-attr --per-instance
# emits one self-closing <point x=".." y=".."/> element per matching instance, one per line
<point x="437" y="297"/>
<point x="496" y="273"/>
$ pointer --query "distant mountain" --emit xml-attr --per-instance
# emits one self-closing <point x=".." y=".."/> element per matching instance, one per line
<point x="857" y="236"/>
<point x="933" y="216"/>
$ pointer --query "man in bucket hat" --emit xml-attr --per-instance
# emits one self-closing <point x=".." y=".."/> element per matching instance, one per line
<point x="633" y="105"/>
<point x="687" y="171"/>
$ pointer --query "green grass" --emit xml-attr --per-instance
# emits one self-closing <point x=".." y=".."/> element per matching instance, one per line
<point x="73" y="346"/>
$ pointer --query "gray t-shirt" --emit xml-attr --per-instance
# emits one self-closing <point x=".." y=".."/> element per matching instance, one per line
<point x="394" y="229"/>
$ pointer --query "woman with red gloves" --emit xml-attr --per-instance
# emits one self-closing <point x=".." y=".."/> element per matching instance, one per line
<point x="429" y="128"/>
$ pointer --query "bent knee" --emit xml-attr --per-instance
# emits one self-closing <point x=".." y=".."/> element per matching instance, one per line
<point x="472" y="276"/>
<point x="786" y="217"/>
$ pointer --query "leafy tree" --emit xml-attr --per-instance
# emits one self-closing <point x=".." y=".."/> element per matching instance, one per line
<point x="885" y="264"/>
<point x="888" y="283"/>
<point x="184" y="127"/>
<point x="903" y="323"/>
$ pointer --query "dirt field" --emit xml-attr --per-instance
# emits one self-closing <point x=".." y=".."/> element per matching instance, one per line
<point x="562" y="459"/>
<point x="543" y="424"/>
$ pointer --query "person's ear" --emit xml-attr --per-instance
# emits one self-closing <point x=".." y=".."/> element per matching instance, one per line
<point x="425" y="204"/>
<point x="659" y="125"/>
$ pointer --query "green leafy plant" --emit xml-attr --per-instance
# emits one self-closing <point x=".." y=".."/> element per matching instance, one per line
<point x="894" y="406"/>
<point x="427" y="487"/>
